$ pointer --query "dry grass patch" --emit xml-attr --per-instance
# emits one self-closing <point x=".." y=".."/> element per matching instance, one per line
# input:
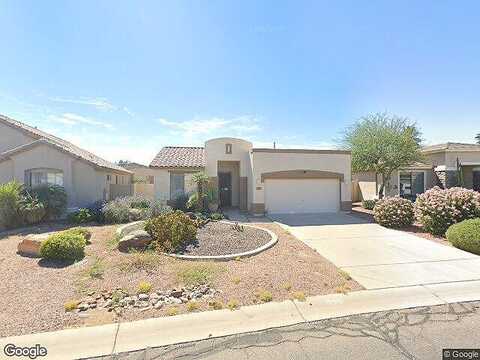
<point x="144" y="287"/>
<point x="299" y="295"/>
<point x="233" y="304"/>
<point x="264" y="295"/>
<point x="96" y="270"/>
<point x="344" y="289"/>
<point x="172" y="311"/>
<point x="287" y="286"/>
<point x="215" y="304"/>
<point x="193" y="306"/>
<point x="71" y="305"/>
<point x="140" y="261"/>
<point x="192" y="274"/>
<point x="345" y="275"/>
<point x="236" y="280"/>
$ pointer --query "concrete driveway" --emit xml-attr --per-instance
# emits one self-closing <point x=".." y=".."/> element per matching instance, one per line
<point x="377" y="257"/>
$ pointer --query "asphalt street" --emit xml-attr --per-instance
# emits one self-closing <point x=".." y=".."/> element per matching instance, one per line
<point x="418" y="333"/>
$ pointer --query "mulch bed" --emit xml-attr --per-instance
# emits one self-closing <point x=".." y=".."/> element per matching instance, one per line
<point x="221" y="238"/>
<point x="33" y="294"/>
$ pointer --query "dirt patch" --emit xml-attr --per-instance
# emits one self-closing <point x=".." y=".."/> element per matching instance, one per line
<point x="33" y="296"/>
<point x="220" y="238"/>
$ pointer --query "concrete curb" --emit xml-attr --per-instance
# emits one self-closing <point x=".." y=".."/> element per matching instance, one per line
<point x="109" y="339"/>
<point x="122" y="229"/>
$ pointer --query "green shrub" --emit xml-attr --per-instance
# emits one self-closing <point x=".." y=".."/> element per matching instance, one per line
<point x="193" y="202"/>
<point x="54" y="198"/>
<point x="264" y="295"/>
<point x="31" y="209"/>
<point x="171" y="230"/>
<point x="10" y="196"/>
<point x="87" y="234"/>
<point x="394" y="212"/>
<point x="132" y="208"/>
<point x="217" y="216"/>
<point x="116" y="211"/>
<point x="81" y="216"/>
<point x="465" y="235"/>
<point x="369" y="204"/>
<point x="437" y="209"/>
<point x="63" y="246"/>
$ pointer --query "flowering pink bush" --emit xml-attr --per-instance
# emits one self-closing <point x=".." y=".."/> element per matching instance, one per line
<point x="437" y="208"/>
<point x="394" y="212"/>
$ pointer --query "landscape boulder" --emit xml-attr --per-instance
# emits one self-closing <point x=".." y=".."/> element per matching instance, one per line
<point x="138" y="239"/>
<point x="30" y="245"/>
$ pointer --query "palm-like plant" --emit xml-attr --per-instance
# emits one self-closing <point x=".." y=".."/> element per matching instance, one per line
<point x="201" y="180"/>
<point x="478" y="138"/>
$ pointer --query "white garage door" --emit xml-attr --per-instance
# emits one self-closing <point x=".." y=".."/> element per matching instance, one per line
<point x="302" y="195"/>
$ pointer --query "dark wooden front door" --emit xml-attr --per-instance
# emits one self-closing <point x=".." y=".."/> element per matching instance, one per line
<point x="476" y="180"/>
<point x="225" y="189"/>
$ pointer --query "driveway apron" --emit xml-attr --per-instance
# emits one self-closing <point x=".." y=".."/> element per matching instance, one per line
<point x="377" y="257"/>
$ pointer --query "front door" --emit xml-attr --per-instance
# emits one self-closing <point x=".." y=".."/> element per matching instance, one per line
<point x="476" y="180"/>
<point x="225" y="189"/>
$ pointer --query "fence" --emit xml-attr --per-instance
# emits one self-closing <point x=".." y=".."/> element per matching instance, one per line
<point x="144" y="190"/>
<point x="117" y="190"/>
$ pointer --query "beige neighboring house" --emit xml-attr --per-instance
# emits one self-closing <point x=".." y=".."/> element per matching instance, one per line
<point x="143" y="179"/>
<point x="33" y="157"/>
<point x="258" y="180"/>
<point x="440" y="168"/>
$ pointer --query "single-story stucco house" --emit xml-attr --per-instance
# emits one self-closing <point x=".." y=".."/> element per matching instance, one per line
<point x="34" y="157"/>
<point x="441" y="167"/>
<point x="258" y="180"/>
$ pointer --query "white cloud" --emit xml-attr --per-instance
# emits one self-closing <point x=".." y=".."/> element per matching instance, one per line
<point x="212" y="126"/>
<point x="128" y="111"/>
<point x="74" y="119"/>
<point x="99" y="103"/>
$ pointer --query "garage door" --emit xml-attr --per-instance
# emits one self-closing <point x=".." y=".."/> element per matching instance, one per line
<point x="302" y="195"/>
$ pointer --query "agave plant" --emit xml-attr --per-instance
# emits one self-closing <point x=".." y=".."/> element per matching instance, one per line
<point x="32" y="209"/>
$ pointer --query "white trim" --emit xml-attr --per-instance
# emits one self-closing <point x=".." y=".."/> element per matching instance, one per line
<point x="445" y="168"/>
<point x="469" y="163"/>
<point x="412" y="171"/>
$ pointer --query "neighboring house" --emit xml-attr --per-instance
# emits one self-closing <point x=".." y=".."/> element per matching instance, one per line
<point x="33" y="157"/>
<point x="440" y="168"/>
<point x="143" y="179"/>
<point x="258" y="179"/>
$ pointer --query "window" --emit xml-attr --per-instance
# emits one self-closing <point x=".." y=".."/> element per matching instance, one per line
<point x="411" y="184"/>
<point x="109" y="178"/>
<point x="228" y="148"/>
<point x="177" y="185"/>
<point x="38" y="177"/>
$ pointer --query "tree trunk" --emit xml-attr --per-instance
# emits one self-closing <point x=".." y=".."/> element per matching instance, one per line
<point x="382" y="187"/>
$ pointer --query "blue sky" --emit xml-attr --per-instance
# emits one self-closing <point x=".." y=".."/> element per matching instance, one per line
<point x="124" y="78"/>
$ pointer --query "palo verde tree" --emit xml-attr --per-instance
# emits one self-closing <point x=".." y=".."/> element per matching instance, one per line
<point x="383" y="143"/>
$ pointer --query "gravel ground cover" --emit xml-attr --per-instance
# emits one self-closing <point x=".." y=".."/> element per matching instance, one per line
<point x="34" y="293"/>
<point x="221" y="238"/>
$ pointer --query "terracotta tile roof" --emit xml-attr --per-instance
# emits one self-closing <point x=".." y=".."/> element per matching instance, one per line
<point x="179" y="157"/>
<point x="451" y="146"/>
<point x="57" y="142"/>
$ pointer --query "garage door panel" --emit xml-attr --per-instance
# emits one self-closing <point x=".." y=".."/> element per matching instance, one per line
<point x="302" y="195"/>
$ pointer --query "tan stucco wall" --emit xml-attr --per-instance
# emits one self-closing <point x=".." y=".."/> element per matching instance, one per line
<point x="141" y="173"/>
<point x="6" y="171"/>
<point x="162" y="182"/>
<point x="11" y="138"/>
<point x="215" y="151"/>
<point x="277" y="161"/>
<point x="364" y="186"/>
<point x="472" y="157"/>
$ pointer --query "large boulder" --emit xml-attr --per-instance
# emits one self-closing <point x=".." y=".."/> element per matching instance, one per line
<point x="138" y="239"/>
<point x="30" y="245"/>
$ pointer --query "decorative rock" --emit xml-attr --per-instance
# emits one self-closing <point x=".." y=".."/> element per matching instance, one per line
<point x="30" y="245"/>
<point x="158" y="305"/>
<point x="108" y="303"/>
<point x="143" y="297"/>
<point x="138" y="239"/>
<point x="176" y="293"/>
<point x="83" y="307"/>
<point x="176" y="300"/>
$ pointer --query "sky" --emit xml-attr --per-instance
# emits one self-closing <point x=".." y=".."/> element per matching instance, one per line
<point x="125" y="78"/>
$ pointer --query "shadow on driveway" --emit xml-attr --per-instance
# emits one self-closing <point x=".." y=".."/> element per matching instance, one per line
<point x="340" y="218"/>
